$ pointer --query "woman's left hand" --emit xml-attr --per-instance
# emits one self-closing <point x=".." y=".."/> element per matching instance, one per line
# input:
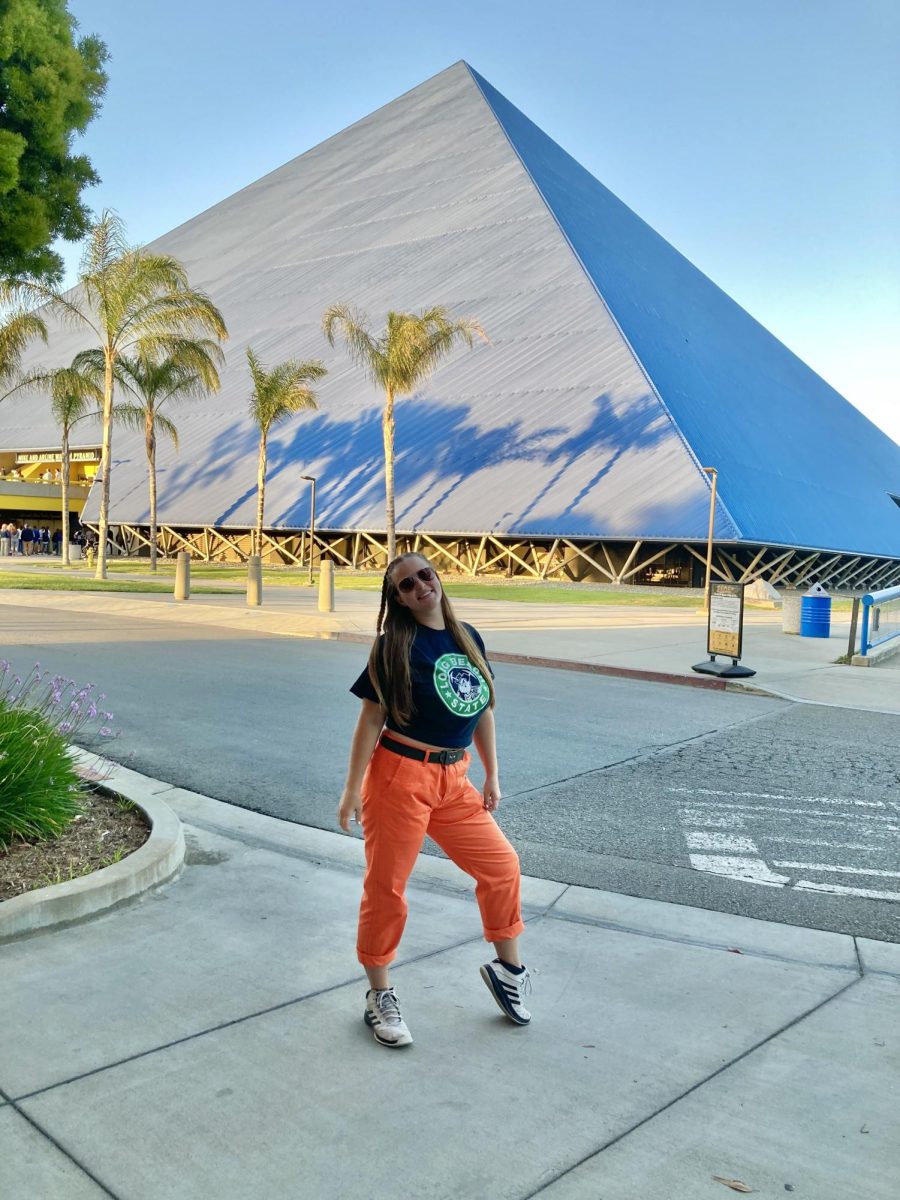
<point x="492" y="794"/>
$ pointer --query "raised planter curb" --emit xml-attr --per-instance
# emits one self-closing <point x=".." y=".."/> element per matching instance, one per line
<point x="160" y="857"/>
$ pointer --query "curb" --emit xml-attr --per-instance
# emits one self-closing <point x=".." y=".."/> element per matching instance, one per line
<point x="564" y="664"/>
<point x="160" y="857"/>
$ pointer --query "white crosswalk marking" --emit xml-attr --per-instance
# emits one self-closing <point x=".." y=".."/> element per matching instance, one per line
<point x="701" y="840"/>
<point x="717" y="841"/>
<point x="780" y="796"/>
<point x="836" y="889"/>
<point x="752" y="870"/>
<point x="799" y="866"/>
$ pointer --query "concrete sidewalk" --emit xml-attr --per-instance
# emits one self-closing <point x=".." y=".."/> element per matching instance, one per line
<point x="628" y="640"/>
<point x="207" y="1041"/>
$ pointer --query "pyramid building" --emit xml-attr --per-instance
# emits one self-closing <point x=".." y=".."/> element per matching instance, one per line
<point x="571" y="445"/>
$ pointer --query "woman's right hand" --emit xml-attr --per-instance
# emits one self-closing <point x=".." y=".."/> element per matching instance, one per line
<point x="350" y="808"/>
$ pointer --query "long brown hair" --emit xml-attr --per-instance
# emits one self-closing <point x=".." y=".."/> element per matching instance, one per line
<point x="389" y="668"/>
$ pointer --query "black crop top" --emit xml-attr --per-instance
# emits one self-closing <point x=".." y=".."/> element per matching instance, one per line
<point x="449" y="694"/>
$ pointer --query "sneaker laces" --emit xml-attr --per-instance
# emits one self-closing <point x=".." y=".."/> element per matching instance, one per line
<point x="388" y="1006"/>
<point x="522" y="980"/>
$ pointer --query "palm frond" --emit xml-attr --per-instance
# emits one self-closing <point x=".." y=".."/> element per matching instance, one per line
<point x="16" y="332"/>
<point x="366" y="350"/>
<point x="132" y="416"/>
<point x="165" y="427"/>
<point x="283" y="390"/>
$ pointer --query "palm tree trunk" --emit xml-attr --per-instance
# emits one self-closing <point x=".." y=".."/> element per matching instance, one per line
<point x="64" y="485"/>
<point x="105" y="465"/>
<point x="260" y="493"/>
<point x="387" y="430"/>
<point x="151" y="472"/>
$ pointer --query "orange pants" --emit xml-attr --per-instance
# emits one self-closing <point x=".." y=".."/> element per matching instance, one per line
<point x="403" y="800"/>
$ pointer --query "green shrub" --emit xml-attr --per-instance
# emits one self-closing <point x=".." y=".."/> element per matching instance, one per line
<point x="39" y="786"/>
<point x="39" y="783"/>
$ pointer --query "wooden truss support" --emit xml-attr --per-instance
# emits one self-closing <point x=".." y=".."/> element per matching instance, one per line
<point x="645" y="562"/>
<point x="610" y="574"/>
<point x="750" y="573"/>
<point x="548" y="558"/>
<point x="634" y="549"/>
<point x="784" y="562"/>
<point x="719" y="570"/>
<point x="481" y="546"/>
<point x="560" y="557"/>
<point x="443" y="550"/>
<point x="769" y="572"/>
<point x="797" y="569"/>
<point x="509" y="553"/>
<point x="844" y="573"/>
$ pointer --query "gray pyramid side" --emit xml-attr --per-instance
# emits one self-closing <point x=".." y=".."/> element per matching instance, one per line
<point x="552" y="429"/>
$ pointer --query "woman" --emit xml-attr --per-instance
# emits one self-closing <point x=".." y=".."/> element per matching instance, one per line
<point x="426" y="693"/>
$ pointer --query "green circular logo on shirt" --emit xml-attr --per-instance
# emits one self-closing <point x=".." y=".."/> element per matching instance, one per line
<point x="460" y="685"/>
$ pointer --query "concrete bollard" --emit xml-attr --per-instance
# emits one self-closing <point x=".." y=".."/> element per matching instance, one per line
<point x="254" y="580"/>
<point x="183" y="576"/>
<point x="326" y="586"/>
<point x="790" y="610"/>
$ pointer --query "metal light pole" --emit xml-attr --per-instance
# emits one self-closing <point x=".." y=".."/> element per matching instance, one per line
<point x="709" y="539"/>
<point x="312" y="522"/>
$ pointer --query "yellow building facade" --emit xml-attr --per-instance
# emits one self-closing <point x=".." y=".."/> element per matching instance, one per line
<point x="31" y="484"/>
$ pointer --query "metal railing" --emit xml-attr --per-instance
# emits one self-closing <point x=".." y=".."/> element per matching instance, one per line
<point x="880" y="618"/>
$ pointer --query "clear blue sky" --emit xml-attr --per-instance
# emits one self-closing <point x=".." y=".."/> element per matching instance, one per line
<point x="761" y="138"/>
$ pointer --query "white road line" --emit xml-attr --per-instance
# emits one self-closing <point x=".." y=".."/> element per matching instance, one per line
<point x="837" y="890"/>
<point x="798" y="841"/>
<point x="713" y="820"/>
<point x="828" y="817"/>
<point x="779" y="796"/>
<point x="701" y="840"/>
<point x="799" y="866"/>
<point x="750" y="870"/>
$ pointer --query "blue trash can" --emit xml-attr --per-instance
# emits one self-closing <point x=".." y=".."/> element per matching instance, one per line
<point x="815" y="616"/>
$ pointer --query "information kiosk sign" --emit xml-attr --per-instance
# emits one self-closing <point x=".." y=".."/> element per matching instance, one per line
<point x="724" y="631"/>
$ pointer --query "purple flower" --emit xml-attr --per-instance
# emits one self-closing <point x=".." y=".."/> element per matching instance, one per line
<point x="105" y="731"/>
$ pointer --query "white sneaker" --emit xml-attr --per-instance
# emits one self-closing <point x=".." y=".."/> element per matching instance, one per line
<point x="508" y="988"/>
<point x="383" y="1017"/>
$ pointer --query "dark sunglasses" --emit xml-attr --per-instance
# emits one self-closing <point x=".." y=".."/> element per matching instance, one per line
<point x="426" y="574"/>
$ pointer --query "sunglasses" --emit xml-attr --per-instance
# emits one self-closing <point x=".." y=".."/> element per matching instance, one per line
<point x="426" y="574"/>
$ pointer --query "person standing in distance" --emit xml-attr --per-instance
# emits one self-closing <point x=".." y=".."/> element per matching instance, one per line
<point x="426" y="693"/>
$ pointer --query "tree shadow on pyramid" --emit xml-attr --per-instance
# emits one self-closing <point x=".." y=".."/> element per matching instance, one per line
<point x="439" y="447"/>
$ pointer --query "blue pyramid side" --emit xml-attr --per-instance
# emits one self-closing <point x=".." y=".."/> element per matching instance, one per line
<point x="798" y="464"/>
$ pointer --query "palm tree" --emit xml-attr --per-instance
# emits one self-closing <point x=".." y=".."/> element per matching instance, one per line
<point x="132" y="301"/>
<point x="191" y="370"/>
<point x="74" y="394"/>
<point x="16" y="331"/>
<point x="276" y="394"/>
<point x="398" y="360"/>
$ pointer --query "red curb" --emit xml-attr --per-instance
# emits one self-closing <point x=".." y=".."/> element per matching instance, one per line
<point x="566" y="664"/>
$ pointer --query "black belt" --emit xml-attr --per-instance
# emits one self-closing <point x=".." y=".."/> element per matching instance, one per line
<point x="445" y="757"/>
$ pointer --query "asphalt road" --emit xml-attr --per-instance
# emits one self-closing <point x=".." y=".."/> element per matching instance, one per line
<point x="731" y="802"/>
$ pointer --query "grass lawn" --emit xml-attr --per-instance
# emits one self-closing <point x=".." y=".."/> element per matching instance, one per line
<point x="47" y="576"/>
<point x="34" y="582"/>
